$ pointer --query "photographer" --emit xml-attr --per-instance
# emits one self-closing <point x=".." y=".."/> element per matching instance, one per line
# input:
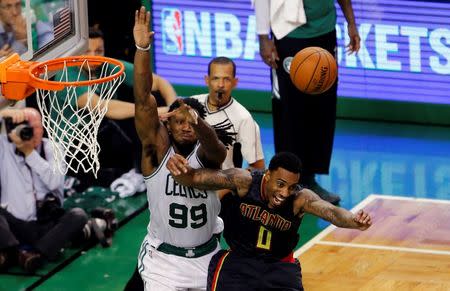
<point x="33" y="225"/>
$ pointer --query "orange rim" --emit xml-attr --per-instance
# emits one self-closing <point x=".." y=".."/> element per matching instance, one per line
<point x="72" y="61"/>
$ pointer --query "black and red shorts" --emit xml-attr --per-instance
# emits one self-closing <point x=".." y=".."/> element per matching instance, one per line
<point x="230" y="271"/>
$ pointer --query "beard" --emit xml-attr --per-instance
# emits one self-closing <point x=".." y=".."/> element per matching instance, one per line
<point x="183" y="149"/>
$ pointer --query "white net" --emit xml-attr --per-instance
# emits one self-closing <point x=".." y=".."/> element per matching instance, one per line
<point x="73" y="129"/>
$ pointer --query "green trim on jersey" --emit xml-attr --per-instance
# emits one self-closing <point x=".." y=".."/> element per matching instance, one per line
<point x="320" y="19"/>
<point x="190" y="253"/>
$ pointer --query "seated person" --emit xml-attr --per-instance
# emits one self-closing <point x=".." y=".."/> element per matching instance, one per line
<point x="33" y="225"/>
<point x="13" y="32"/>
<point x="13" y="29"/>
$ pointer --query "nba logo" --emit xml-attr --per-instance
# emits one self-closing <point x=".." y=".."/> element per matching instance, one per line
<point x="172" y="37"/>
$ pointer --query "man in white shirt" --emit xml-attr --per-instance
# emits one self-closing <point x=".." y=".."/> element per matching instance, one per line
<point x="33" y="225"/>
<point x="222" y="110"/>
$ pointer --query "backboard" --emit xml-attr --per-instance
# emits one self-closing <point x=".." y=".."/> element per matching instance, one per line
<point x="54" y="28"/>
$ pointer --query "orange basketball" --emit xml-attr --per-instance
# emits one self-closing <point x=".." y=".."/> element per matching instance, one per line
<point x="313" y="70"/>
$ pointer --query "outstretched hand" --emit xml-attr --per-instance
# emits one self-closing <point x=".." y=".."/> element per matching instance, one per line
<point x="362" y="219"/>
<point x="178" y="165"/>
<point x="141" y="30"/>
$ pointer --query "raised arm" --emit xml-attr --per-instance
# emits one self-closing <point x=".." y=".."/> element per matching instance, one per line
<point x="42" y="167"/>
<point x="151" y="131"/>
<point x="146" y="114"/>
<point x="236" y="179"/>
<point x="310" y="202"/>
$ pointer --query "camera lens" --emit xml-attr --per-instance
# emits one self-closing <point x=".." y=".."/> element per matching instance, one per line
<point x="25" y="132"/>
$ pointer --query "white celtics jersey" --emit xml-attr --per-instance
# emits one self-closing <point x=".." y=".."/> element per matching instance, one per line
<point x="179" y="215"/>
<point x="242" y="123"/>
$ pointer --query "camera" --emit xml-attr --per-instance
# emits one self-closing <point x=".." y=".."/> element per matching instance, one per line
<point x="23" y="129"/>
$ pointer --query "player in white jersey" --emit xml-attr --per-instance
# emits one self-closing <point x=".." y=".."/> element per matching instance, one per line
<point x="222" y="110"/>
<point x="180" y="242"/>
<point x="176" y="226"/>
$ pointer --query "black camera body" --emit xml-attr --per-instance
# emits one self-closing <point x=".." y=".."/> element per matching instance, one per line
<point x="24" y="130"/>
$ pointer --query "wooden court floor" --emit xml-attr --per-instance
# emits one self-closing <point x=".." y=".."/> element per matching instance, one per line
<point x="407" y="248"/>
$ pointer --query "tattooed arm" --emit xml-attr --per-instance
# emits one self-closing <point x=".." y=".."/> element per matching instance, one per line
<point x="236" y="179"/>
<point x="310" y="202"/>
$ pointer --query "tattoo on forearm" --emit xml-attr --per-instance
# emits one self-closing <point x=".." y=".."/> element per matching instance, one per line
<point x="336" y="216"/>
<point x="214" y="181"/>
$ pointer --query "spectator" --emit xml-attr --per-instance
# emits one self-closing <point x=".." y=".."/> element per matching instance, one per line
<point x="13" y="29"/>
<point x="33" y="224"/>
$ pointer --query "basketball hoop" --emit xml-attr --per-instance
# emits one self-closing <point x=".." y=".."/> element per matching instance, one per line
<point x="71" y="130"/>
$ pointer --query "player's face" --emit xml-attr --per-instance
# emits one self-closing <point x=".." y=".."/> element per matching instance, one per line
<point x="181" y="130"/>
<point x="221" y="83"/>
<point x="280" y="184"/>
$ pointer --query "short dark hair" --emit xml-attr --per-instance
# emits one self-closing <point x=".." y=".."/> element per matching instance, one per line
<point x="223" y="61"/>
<point x="225" y="136"/>
<point x="95" y="32"/>
<point x="287" y="161"/>
<point x="193" y="103"/>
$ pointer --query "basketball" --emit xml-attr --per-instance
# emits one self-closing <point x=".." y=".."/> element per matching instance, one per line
<point x="313" y="70"/>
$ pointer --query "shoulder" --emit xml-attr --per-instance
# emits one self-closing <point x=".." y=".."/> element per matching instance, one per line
<point x="239" y="109"/>
<point x="242" y="179"/>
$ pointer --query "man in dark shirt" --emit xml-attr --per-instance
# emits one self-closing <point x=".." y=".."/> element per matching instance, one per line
<point x="262" y="215"/>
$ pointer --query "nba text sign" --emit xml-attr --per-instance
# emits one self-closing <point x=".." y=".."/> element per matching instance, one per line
<point x="404" y="56"/>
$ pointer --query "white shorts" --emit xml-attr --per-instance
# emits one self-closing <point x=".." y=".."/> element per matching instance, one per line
<point x="161" y="271"/>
